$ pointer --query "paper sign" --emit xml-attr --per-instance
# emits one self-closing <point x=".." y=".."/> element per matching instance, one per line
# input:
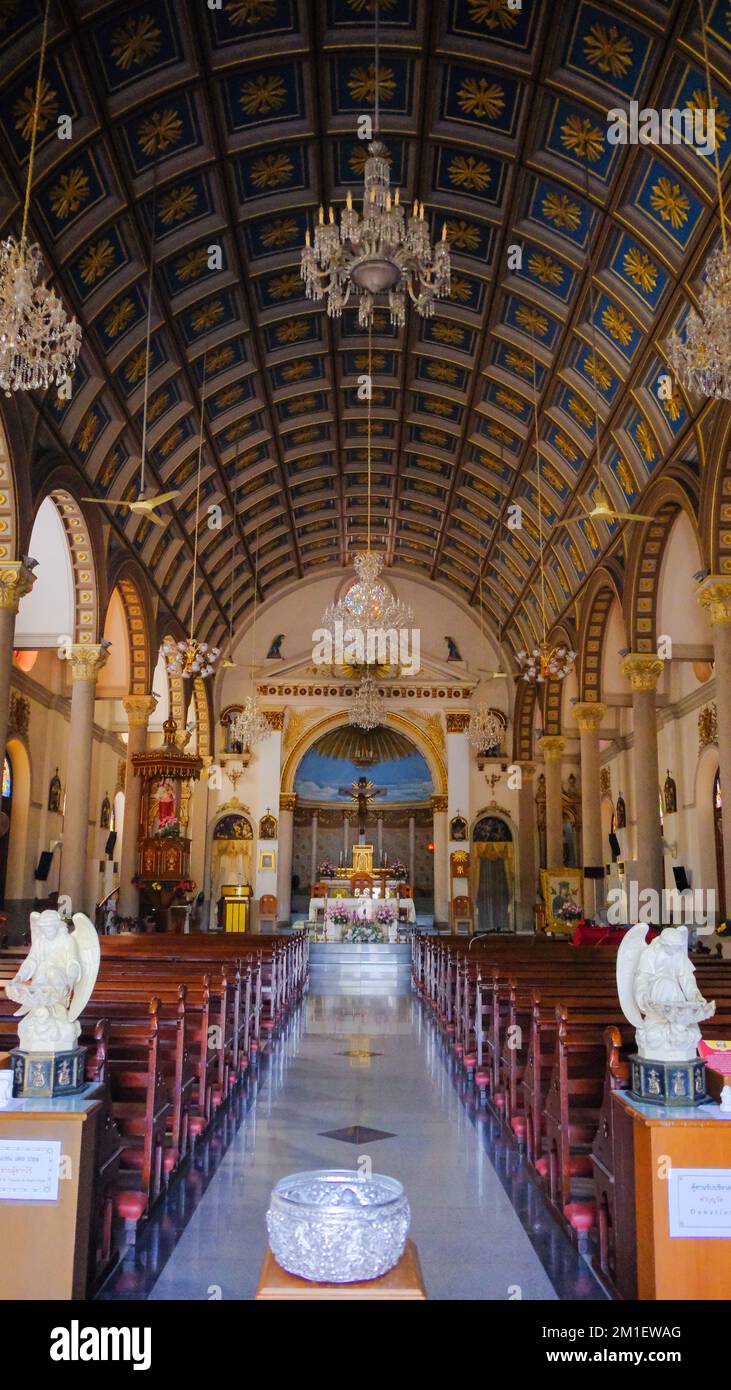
<point x="699" y="1203"/>
<point x="29" y="1170"/>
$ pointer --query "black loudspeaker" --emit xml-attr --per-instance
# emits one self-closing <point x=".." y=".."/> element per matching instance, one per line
<point x="614" y="845"/>
<point x="681" y="877"/>
<point x="43" y="867"/>
<point x="111" y="842"/>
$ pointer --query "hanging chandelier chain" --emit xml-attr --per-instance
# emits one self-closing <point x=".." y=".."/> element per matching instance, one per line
<point x="540" y="495"/>
<point x="197" y="499"/>
<point x="148" y="329"/>
<point x="716" y="142"/>
<point x="36" y="114"/>
<point x="370" y="423"/>
<point x="377" y="82"/>
<point x="592" y="321"/>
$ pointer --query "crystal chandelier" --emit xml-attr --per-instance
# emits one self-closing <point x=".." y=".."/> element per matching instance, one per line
<point x="546" y="662"/>
<point x="367" y="710"/>
<point x="379" y="251"/>
<point x="485" y="729"/>
<point x="359" y="623"/>
<point x="249" y="726"/>
<point x="189" y="657"/>
<point x="39" y="344"/>
<point x="702" y="362"/>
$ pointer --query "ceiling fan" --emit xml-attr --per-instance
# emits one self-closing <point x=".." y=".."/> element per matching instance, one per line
<point x="144" y="506"/>
<point x="603" y="511"/>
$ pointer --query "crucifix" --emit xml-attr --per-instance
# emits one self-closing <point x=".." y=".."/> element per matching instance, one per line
<point x="362" y="793"/>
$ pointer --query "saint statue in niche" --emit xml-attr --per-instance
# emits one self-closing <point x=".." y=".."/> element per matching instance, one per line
<point x="670" y="795"/>
<point x="162" y="804"/>
<point x="105" y="815"/>
<point x="54" y="793"/>
<point x="621" y="813"/>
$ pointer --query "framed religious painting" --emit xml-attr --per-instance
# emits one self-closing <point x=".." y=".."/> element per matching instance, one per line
<point x="267" y="859"/>
<point x="562" y="893"/>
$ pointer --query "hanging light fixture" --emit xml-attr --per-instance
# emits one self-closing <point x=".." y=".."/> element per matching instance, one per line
<point x="702" y="361"/>
<point x="485" y="729"/>
<point x="250" y="726"/>
<point x="39" y="344"/>
<point x="379" y="251"/>
<point x="546" y="660"/>
<point x="367" y="710"/>
<point x="367" y="608"/>
<point x="190" y="657"/>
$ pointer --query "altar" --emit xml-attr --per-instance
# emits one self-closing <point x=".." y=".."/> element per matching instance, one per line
<point x="364" y="905"/>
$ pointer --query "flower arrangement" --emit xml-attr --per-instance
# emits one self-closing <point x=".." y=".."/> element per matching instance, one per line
<point x="338" y="915"/>
<point x="385" y="915"/>
<point x="568" y="913"/>
<point x="171" y="830"/>
<point x="398" y="870"/>
<point x="363" y="934"/>
<point x="326" y="869"/>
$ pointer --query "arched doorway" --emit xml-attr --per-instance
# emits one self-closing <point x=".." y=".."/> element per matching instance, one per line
<point x="231" y="856"/>
<point x="493" y="874"/>
<point x="6" y="803"/>
<point x="718" y="841"/>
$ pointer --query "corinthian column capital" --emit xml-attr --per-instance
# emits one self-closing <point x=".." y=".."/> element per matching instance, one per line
<point x="643" y="670"/>
<point x="87" y="661"/>
<point x="138" y="709"/>
<point x="287" y="801"/>
<point x="589" y="715"/>
<point x="16" y="580"/>
<point x="552" y="746"/>
<point x="715" y="596"/>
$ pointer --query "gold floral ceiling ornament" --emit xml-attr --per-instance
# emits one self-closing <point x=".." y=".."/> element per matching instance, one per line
<point x="379" y="251"/>
<point x="39" y="344"/>
<point x="702" y="360"/>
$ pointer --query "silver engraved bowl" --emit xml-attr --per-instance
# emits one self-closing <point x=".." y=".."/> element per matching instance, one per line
<point x="335" y="1227"/>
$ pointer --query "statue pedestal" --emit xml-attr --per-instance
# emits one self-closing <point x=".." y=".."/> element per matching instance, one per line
<point x="42" y="1075"/>
<point x="669" y="1083"/>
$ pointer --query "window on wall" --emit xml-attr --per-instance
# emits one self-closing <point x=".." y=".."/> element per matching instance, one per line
<point x="717" y="798"/>
<point x="7" y="779"/>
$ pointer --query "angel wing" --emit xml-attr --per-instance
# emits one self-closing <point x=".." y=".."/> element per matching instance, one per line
<point x="628" y="955"/>
<point x="87" y="942"/>
<point x="34" y="917"/>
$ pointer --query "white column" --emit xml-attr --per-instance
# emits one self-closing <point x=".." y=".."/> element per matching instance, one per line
<point x="589" y="715"/>
<point x="287" y="803"/>
<point x="16" y="580"/>
<point x="313" y="851"/>
<point x="441" y="860"/>
<point x="527" y="880"/>
<point x="643" y="672"/>
<point x="412" y="847"/>
<point x="346" y="849"/>
<point x="379" y="833"/>
<point x="138" y="709"/>
<point x="553" y="746"/>
<point x="715" y="597"/>
<point x="86" y="662"/>
<point x="268" y="773"/>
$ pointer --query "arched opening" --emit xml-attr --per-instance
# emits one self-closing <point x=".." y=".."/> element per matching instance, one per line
<point x="231" y="860"/>
<point x="492" y="874"/>
<point x="6" y="806"/>
<point x="17" y="884"/>
<point x="48" y="612"/>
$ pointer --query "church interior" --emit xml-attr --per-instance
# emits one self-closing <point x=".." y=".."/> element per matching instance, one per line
<point x="365" y="637"/>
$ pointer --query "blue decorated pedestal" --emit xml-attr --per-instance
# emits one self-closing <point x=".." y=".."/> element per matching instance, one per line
<point x="669" y="1083"/>
<point x="45" y="1074"/>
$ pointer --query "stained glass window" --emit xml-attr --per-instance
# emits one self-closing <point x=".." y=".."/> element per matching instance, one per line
<point x="7" y="778"/>
<point x="717" y="798"/>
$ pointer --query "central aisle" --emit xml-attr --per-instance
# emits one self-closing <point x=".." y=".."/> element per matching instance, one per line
<point x="372" y="1062"/>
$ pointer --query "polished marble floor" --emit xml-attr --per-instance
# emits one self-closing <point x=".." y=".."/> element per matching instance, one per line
<point x="355" y="1076"/>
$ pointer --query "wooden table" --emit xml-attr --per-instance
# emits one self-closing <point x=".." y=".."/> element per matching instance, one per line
<point x="404" y="1281"/>
<point x="674" y="1266"/>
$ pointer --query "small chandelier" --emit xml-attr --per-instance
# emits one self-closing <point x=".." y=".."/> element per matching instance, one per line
<point x="249" y="726"/>
<point x="546" y="662"/>
<point x="367" y="711"/>
<point x="380" y="251"/>
<point x="702" y="362"/>
<point x="485" y="729"/>
<point x="190" y="657"/>
<point x="39" y="344"/>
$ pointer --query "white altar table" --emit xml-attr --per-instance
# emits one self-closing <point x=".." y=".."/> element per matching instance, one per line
<point x="353" y="904"/>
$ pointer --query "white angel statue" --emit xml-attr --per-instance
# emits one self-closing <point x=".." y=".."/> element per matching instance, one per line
<point x="659" y="995"/>
<point x="55" y="981"/>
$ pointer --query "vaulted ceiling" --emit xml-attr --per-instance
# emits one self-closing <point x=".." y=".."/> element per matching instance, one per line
<point x="496" y="118"/>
